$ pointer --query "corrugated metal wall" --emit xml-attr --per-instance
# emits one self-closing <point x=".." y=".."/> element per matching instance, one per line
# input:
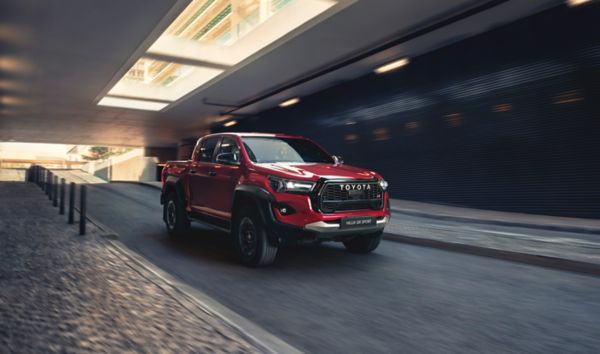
<point x="508" y="120"/>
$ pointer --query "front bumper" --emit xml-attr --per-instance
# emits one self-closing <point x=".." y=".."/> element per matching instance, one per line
<point x="308" y="226"/>
<point x="286" y="234"/>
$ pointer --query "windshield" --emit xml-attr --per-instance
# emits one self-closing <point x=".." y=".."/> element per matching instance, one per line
<point x="273" y="149"/>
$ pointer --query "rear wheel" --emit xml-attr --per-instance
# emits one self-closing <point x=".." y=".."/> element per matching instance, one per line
<point x="250" y="239"/>
<point x="175" y="217"/>
<point x="363" y="243"/>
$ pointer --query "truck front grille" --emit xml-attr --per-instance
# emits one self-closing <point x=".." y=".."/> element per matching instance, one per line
<point x="350" y="195"/>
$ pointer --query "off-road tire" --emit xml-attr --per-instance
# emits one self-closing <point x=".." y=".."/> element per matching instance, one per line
<point x="176" y="219"/>
<point x="250" y="239"/>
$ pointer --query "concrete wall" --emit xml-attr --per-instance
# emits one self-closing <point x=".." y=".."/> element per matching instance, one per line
<point x="162" y="154"/>
<point x="132" y="166"/>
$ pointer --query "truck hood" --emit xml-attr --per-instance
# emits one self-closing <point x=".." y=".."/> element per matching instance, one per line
<point x="314" y="171"/>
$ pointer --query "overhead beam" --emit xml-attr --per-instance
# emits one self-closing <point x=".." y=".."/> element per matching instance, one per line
<point x="186" y="61"/>
<point x="403" y="38"/>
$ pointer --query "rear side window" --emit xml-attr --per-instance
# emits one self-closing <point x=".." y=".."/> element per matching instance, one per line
<point x="207" y="149"/>
<point x="230" y="146"/>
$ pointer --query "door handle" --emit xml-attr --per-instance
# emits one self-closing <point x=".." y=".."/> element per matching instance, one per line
<point x="193" y="171"/>
<point x="212" y="173"/>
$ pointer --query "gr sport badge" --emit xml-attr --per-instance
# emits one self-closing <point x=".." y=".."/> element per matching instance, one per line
<point x="355" y="187"/>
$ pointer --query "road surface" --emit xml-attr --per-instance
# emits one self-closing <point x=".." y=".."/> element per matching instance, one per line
<point x="402" y="298"/>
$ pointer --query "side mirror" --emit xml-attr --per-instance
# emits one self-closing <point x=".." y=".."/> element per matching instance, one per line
<point x="227" y="158"/>
<point x="338" y="160"/>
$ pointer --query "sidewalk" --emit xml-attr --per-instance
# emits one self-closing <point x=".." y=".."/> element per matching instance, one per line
<point x="565" y="243"/>
<point x="60" y="292"/>
<point x="495" y="217"/>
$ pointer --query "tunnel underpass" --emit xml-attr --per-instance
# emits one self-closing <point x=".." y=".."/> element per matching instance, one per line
<point x="283" y="176"/>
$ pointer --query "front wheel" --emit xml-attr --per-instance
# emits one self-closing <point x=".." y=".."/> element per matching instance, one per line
<point x="250" y="239"/>
<point x="363" y="243"/>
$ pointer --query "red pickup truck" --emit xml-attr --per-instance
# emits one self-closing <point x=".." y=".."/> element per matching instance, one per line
<point x="269" y="190"/>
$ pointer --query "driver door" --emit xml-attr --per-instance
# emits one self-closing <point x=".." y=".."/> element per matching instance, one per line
<point x="227" y="173"/>
<point x="200" y="175"/>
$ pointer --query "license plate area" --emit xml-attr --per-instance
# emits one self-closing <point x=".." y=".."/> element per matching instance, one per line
<point x="357" y="222"/>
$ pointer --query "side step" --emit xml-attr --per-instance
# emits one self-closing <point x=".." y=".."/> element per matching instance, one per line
<point x="216" y="223"/>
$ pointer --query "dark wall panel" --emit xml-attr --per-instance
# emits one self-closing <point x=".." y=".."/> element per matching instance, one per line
<point x="508" y="120"/>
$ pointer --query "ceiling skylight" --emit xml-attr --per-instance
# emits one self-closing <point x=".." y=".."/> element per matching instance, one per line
<point x="161" y="80"/>
<point x="205" y="40"/>
<point x="223" y="22"/>
<point x="226" y="32"/>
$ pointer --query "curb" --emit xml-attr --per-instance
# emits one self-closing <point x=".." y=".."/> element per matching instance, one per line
<point x="139" y="184"/>
<point x="527" y="258"/>
<point x="200" y="304"/>
<point x="107" y="232"/>
<point x="565" y="228"/>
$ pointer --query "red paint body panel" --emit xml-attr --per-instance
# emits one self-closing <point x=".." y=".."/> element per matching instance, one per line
<point x="210" y="186"/>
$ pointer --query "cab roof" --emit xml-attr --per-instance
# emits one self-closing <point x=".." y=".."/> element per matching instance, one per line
<point x="251" y="134"/>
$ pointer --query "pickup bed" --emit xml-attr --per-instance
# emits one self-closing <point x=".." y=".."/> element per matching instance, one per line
<point x="270" y="190"/>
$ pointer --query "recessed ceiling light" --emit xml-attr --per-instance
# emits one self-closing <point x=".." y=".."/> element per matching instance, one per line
<point x="133" y="104"/>
<point x="392" y="66"/>
<point x="576" y="2"/>
<point x="290" y="102"/>
<point x="231" y="123"/>
<point x="13" y="101"/>
<point x="16" y="65"/>
<point x="12" y="85"/>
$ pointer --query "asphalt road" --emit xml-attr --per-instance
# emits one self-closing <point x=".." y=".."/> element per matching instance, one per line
<point x="402" y="298"/>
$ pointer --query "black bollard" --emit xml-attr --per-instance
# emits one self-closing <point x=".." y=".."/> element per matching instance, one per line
<point x="72" y="203"/>
<point x="55" y="191"/>
<point x="50" y="187"/>
<point x="82" y="209"/>
<point x="61" y="209"/>
<point x="48" y="182"/>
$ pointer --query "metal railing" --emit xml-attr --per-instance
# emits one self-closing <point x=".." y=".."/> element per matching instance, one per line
<point x="56" y="192"/>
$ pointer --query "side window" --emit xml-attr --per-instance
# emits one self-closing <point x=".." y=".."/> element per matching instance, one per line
<point x="229" y="151"/>
<point x="207" y="149"/>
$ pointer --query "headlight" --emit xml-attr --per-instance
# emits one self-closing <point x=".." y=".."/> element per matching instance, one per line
<point x="289" y="185"/>
<point x="383" y="184"/>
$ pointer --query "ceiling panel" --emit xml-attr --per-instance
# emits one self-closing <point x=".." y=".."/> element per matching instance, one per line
<point x="59" y="57"/>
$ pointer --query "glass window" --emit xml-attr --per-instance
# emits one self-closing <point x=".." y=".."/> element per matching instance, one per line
<point x="292" y="150"/>
<point x="230" y="146"/>
<point x="207" y="149"/>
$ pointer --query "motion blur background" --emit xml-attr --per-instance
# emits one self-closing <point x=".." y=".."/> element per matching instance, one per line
<point x="494" y="104"/>
<point x="507" y="120"/>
